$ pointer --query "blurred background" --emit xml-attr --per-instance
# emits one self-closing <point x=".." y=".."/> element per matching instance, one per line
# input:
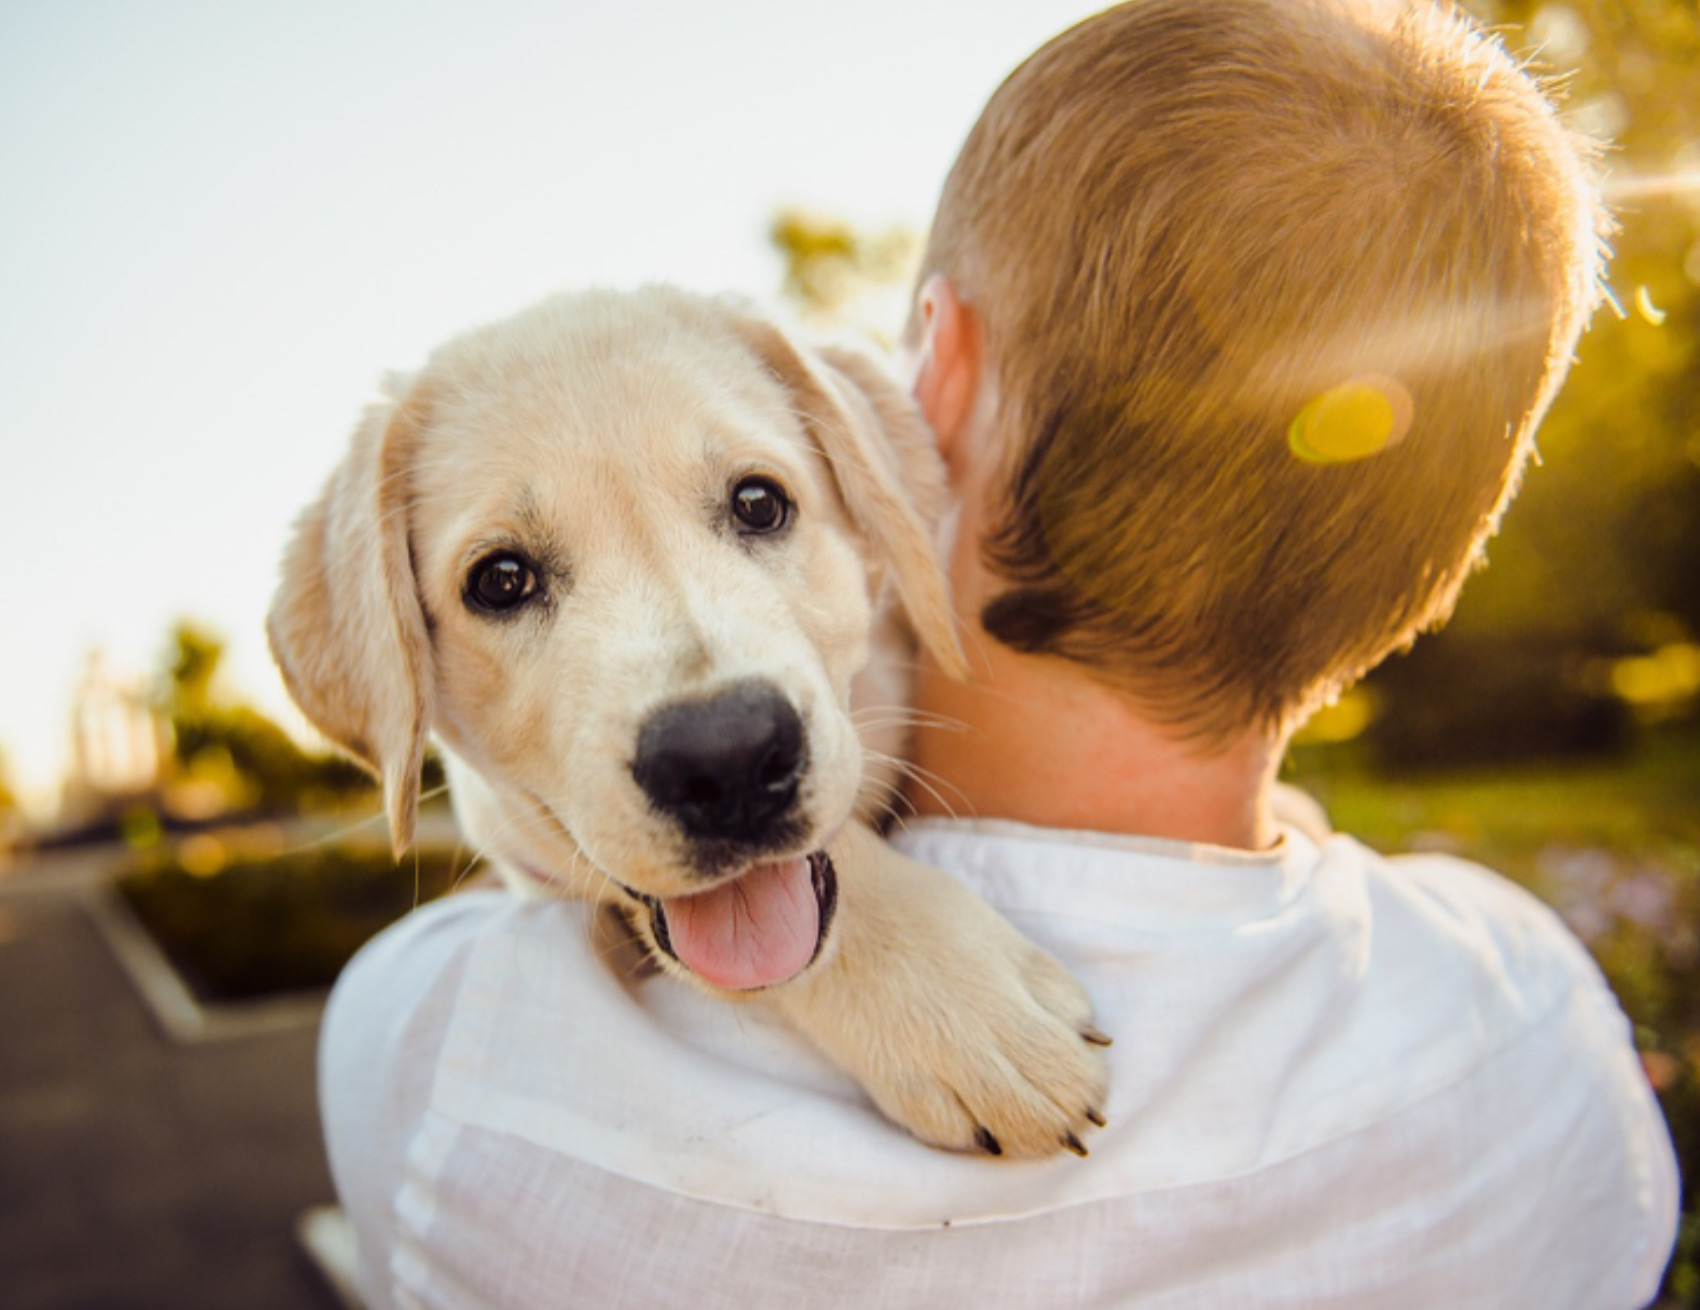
<point x="223" y="224"/>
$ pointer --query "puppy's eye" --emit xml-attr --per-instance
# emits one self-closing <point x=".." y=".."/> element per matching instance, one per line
<point x="760" y="507"/>
<point x="501" y="582"/>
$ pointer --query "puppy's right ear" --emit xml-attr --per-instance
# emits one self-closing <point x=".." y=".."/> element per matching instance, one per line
<point x="346" y="626"/>
<point x="886" y="466"/>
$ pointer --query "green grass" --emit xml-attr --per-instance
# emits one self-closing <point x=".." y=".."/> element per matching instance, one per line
<point x="1644" y="806"/>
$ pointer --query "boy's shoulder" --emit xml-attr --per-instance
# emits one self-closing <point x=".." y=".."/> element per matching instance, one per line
<point x="1502" y="929"/>
<point x="1481" y="975"/>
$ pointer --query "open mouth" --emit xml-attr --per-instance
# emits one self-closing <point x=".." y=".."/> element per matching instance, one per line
<point x="760" y="928"/>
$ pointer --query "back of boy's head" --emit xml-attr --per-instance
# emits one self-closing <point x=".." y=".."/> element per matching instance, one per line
<point x="1220" y="250"/>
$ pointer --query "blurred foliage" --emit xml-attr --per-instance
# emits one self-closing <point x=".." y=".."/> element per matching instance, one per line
<point x="228" y="756"/>
<point x="838" y="276"/>
<point x="238" y="925"/>
<point x="1494" y="698"/>
<point x="1599" y="559"/>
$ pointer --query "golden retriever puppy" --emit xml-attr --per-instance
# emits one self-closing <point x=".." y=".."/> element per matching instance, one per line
<point x="633" y="559"/>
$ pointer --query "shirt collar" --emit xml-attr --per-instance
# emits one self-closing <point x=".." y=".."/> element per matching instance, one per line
<point x="1022" y="868"/>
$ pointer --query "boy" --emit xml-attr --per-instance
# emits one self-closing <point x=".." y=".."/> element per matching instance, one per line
<point x="1237" y="321"/>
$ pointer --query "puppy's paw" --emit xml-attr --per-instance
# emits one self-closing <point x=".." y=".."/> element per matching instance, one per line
<point x="959" y="1028"/>
<point x="1004" y="1061"/>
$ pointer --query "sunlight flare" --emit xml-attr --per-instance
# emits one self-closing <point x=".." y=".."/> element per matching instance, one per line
<point x="1359" y="418"/>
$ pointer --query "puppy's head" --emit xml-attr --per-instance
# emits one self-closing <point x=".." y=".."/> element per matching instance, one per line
<point x="621" y="553"/>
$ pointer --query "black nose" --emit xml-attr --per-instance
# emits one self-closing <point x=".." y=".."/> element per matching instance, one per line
<point x="726" y="767"/>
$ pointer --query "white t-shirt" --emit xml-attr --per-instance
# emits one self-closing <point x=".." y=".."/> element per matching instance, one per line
<point x="1338" y="1080"/>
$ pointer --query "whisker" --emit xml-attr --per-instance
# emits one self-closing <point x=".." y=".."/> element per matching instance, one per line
<point x="907" y="714"/>
<point x="926" y="779"/>
<point x="876" y="725"/>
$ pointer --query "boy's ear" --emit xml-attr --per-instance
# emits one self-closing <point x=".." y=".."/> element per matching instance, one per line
<point x="346" y="626"/>
<point x="947" y="373"/>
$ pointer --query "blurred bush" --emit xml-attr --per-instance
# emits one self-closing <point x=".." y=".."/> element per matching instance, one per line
<point x="1491" y="698"/>
<point x="227" y="756"/>
<point x="239" y="924"/>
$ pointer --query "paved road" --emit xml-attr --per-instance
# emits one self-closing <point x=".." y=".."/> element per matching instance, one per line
<point x="136" y="1173"/>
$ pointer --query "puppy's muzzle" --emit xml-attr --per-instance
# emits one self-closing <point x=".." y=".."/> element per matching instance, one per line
<point x="726" y="769"/>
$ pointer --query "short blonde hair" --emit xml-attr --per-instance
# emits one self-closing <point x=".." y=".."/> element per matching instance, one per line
<point x="1184" y="222"/>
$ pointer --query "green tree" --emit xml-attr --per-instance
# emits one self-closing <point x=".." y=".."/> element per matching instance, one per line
<point x="1606" y="529"/>
<point x="1599" y="558"/>
<point x="220" y="742"/>
<point x="192" y="663"/>
<point x="836" y="275"/>
<point x="8" y="797"/>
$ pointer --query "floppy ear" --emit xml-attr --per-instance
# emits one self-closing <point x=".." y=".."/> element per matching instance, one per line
<point x="887" y="467"/>
<point x="346" y="625"/>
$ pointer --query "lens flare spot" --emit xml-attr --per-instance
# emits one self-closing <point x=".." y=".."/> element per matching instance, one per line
<point x="1648" y="310"/>
<point x="1359" y="418"/>
<point x="203" y="855"/>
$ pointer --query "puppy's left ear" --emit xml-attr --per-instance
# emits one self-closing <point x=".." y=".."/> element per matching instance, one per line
<point x="887" y="467"/>
<point x="346" y="626"/>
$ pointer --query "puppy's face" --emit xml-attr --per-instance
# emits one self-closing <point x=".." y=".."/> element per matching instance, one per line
<point x="617" y="553"/>
<point x="644" y="599"/>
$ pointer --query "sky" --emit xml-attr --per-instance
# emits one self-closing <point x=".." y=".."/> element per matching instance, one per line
<point x="221" y="224"/>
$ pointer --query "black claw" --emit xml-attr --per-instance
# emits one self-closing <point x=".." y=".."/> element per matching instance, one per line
<point x="1073" y="1144"/>
<point x="989" y="1144"/>
<point x="1096" y="1118"/>
<point x="1097" y="1038"/>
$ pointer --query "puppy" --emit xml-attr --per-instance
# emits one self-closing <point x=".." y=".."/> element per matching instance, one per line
<point x="632" y="559"/>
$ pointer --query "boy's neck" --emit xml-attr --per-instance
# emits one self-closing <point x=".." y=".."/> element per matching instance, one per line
<point x="1040" y="743"/>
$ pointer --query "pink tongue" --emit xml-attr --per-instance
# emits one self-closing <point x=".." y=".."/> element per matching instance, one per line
<point x="761" y="928"/>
